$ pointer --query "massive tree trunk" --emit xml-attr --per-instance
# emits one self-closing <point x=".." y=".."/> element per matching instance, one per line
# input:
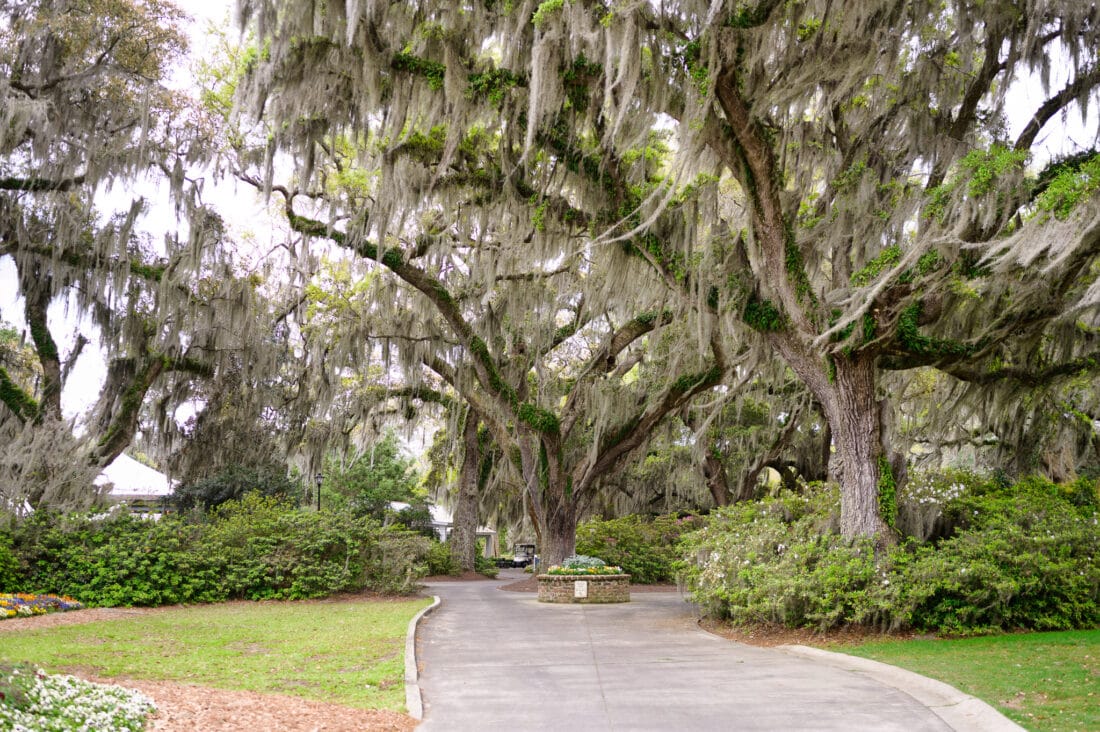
<point x="854" y="417"/>
<point x="846" y="393"/>
<point x="559" y="532"/>
<point x="463" y="538"/>
<point x="714" y="473"/>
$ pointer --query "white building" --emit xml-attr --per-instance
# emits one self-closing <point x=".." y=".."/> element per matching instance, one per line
<point x="443" y="523"/>
<point x="139" y="486"/>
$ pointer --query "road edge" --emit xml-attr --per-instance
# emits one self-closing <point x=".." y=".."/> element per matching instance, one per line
<point x="414" y="704"/>
<point x="959" y="711"/>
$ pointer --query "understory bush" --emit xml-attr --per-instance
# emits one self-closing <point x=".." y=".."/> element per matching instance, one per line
<point x="1021" y="556"/>
<point x="9" y="564"/>
<point x="483" y="565"/>
<point x="645" y="549"/>
<point x="441" y="561"/>
<point x="115" y="559"/>
<point x="255" y="548"/>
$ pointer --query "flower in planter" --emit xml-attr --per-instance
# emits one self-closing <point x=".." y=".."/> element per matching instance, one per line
<point x="581" y="564"/>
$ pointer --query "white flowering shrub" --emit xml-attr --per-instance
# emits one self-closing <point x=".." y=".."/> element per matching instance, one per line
<point x="924" y="500"/>
<point x="580" y="561"/>
<point x="1016" y="556"/>
<point x="780" y="561"/>
<point x="33" y="701"/>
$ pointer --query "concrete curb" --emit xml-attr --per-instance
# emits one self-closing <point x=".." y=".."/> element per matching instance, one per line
<point x="413" y="703"/>
<point x="958" y="710"/>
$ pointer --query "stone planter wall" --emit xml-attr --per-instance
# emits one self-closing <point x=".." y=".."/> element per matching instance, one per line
<point x="599" y="588"/>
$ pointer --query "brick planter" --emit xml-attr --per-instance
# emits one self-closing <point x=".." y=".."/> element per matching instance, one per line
<point x="584" y="588"/>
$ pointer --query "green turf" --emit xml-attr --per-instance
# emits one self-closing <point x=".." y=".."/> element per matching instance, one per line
<point x="350" y="653"/>
<point x="1047" y="682"/>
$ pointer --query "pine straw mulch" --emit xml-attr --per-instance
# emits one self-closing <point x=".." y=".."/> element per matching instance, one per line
<point x="187" y="707"/>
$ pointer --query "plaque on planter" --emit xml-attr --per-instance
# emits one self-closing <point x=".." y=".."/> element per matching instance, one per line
<point x="580" y="588"/>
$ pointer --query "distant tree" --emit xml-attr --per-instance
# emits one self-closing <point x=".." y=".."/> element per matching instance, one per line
<point x="382" y="473"/>
<point x="88" y="108"/>
<point x="232" y="483"/>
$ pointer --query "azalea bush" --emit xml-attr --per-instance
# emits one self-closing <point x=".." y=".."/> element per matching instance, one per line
<point x="1017" y="556"/>
<point x="646" y="548"/>
<point x="33" y="700"/>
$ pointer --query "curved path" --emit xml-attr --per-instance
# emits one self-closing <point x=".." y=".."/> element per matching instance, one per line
<point x="494" y="660"/>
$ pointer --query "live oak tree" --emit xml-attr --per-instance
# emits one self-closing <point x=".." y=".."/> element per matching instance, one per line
<point x="884" y="213"/>
<point x="838" y="180"/>
<point x="888" y="222"/>
<point x="558" y="406"/>
<point x="489" y="268"/>
<point x="87" y="112"/>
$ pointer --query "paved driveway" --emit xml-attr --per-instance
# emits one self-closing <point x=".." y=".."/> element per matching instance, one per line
<point x="495" y="660"/>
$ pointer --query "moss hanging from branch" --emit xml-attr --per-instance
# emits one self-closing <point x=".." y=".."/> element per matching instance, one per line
<point x="21" y="404"/>
<point x="915" y="342"/>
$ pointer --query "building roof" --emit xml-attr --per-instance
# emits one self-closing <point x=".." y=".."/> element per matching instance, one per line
<point x="130" y="480"/>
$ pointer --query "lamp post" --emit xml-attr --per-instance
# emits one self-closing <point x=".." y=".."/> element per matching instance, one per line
<point x="319" y="479"/>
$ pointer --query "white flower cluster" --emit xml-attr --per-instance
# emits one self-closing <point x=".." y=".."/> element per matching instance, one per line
<point x="930" y="488"/>
<point x="58" y="703"/>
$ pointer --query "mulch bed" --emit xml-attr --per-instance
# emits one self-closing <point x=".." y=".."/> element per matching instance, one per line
<point x="770" y="635"/>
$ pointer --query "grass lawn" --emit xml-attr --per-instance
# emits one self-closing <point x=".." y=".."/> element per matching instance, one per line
<point x="1047" y="682"/>
<point x="347" y="652"/>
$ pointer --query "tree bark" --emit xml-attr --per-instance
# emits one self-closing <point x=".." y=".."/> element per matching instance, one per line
<point x="854" y="417"/>
<point x="559" y="534"/>
<point x="35" y="309"/>
<point x="714" y="472"/>
<point x="853" y="414"/>
<point x="463" y="538"/>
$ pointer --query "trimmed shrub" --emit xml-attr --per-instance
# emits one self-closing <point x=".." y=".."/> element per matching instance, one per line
<point x="1026" y="556"/>
<point x="772" y="561"/>
<point x="396" y="561"/>
<point x="645" y="549"/>
<point x="116" y="559"/>
<point x="256" y="548"/>
<point x="485" y="566"/>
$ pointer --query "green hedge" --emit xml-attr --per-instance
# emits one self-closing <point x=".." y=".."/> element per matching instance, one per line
<point x="646" y="549"/>
<point x="255" y="548"/>
<point x="1018" y="556"/>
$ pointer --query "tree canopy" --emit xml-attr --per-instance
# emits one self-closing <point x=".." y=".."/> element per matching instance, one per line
<point x="789" y="225"/>
<point x="843" y="180"/>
